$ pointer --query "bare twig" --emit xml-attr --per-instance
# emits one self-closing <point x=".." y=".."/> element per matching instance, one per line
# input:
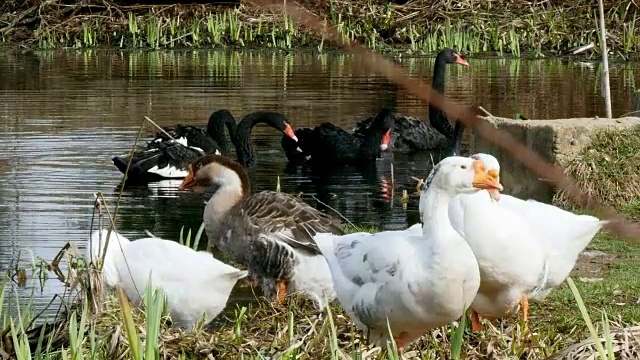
<point x="485" y="111"/>
<point x="159" y="128"/>
<point x="630" y="113"/>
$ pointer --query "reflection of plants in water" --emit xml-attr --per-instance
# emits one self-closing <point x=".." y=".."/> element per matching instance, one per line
<point x="514" y="68"/>
<point x="629" y="78"/>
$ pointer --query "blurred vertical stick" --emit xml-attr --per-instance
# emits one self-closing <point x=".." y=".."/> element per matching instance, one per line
<point x="605" y="62"/>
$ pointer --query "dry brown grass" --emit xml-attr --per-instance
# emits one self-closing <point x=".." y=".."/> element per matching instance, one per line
<point x="296" y="330"/>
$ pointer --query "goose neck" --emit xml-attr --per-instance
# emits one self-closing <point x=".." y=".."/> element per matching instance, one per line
<point x="232" y="188"/>
<point x="370" y="145"/>
<point x="242" y="140"/>
<point x="435" y="210"/>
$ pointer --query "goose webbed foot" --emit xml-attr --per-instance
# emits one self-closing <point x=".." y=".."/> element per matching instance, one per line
<point x="281" y="286"/>
<point x="524" y="306"/>
<point x="476" y="325"/>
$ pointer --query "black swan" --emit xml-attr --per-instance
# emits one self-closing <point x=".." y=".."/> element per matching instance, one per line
<point x="191" y="136"/>
<point x="327" y="144"/>
<point x="168" y="159"/>
<point x="242" y="139"/>
<point x="411" y="134"/>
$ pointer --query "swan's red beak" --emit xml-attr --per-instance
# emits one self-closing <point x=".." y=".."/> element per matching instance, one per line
<point x="386" y="138"/>
<point x="483" y="180"/>
<point x="288" y="130"/>
<point x="189" y="181"/>
<point x="461" y="61"/>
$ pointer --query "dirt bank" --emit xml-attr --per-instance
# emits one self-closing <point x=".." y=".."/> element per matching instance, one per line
<point x="521" y="28"/>
<point x="599" y="153"/>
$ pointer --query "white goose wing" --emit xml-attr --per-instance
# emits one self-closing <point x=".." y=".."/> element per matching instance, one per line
<point x="505" y="244"/>
<point x="195" y="283"/>
<point x="558" y="222"/>
<point x="563" y="233"/>
<point x="171" y="261"/>
<point x="361" y="265"/>
<point x="365" y="257"/>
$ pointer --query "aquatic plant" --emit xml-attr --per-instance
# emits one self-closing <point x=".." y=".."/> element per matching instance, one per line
<point x="536" y="29"/>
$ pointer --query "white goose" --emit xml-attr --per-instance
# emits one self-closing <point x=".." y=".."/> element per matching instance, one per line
<point x="524" y="248"/>
<point x="416" y="282"/>
<point x="194" y="282"/>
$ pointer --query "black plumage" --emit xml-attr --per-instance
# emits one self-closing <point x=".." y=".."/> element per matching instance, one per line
<point x="412" y="134"/>
<point x="329" y="145"/>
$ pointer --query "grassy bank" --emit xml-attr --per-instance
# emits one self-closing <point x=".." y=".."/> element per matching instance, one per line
<point x="102" y="325"/>
<point x="601" y="300"/>
<point x="516" y="28"/>
<point x="607" y="170"/>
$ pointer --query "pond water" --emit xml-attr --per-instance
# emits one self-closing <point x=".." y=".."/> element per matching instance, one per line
<point x="65" y="114"/>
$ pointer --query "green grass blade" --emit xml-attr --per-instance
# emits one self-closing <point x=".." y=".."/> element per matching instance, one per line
<point x="129" y="325"/>
<point x="456" y="342"/>
<point x="586" y="317"/>
<point x="607" y="336"/>
<point x="333" y="339"/>
<point x="196" y="241"/>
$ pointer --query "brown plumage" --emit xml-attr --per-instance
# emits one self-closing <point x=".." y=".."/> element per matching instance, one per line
<point x="278" y="213"/>
<point x="269" y="232"/>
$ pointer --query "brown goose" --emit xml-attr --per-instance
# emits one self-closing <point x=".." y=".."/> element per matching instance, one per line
<point x="271" y="233"/>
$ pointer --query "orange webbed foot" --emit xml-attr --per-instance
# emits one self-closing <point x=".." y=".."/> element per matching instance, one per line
<point x="524" y="306"/>
<point x="476" y="325"/>
<point x="282" y="290"/>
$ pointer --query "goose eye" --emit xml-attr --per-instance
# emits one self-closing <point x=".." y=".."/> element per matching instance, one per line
<point x="464" y="167"/>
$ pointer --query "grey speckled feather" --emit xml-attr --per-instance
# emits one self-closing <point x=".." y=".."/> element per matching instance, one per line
<point x="271" y="233"/>
<point x="256" y="232"/>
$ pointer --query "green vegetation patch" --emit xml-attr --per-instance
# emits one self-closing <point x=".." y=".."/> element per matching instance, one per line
<point x="608" y="170"/>
<point x="519" y="28"/>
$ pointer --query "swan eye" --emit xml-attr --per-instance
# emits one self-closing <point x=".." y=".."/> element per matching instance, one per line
<point x="464" y="167"/>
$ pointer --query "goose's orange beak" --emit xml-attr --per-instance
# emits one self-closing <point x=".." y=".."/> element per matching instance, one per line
<point x="386" y="138"/>
<point x="484" y="180"/>
<point x="189" y="181"/>
<point x="495" y="194"/>
<point x="494" y="174"/>
<point x="288" y="130"/>
<point x="460" y="60"/>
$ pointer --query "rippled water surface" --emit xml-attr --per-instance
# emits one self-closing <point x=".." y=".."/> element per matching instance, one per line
<point x="64" y="115"/>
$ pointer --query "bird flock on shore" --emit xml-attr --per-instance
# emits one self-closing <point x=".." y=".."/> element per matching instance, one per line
<point x="474" y="246"/>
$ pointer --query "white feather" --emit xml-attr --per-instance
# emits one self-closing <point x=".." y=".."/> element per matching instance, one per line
<point x="194" y="282"/>
<point x="169" y="172"/>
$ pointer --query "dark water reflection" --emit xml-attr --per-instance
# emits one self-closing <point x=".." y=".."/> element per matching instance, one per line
<point x="63" y="115"/>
